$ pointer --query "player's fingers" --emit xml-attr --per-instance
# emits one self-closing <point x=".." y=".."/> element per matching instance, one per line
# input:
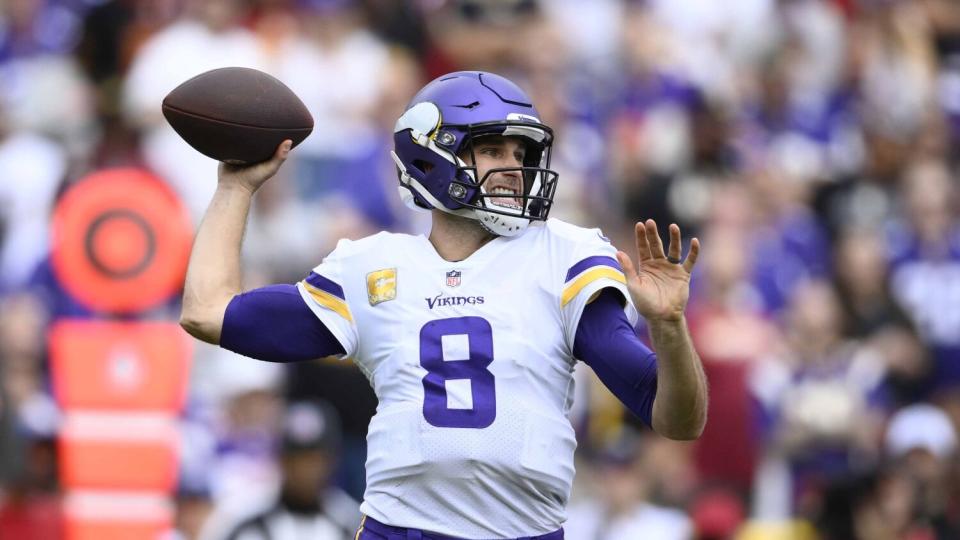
<point x="283" y="150"/>
<point x="626" y="263"/>
<point x="643" y="248"/>
<point x="692" y="256"/>
<point x="279" y="156"/>
<point x="653" y="239"/>
<point x="673" y="250"/>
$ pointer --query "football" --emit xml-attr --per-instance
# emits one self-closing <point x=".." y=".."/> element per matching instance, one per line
<point x="237" y="115"/>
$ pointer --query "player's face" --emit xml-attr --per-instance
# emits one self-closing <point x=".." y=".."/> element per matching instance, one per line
<point x="496" y="152"/>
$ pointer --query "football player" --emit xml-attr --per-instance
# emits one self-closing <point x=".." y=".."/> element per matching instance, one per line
<point x="469" y="336"/>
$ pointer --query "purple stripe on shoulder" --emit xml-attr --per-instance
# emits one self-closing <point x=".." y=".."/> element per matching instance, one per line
<point x="590" y="262"/>
<point x="325" y="284"/>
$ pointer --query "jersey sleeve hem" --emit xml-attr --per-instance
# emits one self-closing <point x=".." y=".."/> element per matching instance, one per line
<point x="332" y="312"/>
<point x="575" y="306"/>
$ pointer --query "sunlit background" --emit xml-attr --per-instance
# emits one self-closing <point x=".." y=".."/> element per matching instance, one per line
<point x="810" y="144"/>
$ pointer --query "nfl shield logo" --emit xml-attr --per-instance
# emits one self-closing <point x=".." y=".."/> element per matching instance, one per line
<point x="453" y="278"/>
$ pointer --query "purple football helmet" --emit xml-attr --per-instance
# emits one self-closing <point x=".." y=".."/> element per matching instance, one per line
<point x="443" y="120"/>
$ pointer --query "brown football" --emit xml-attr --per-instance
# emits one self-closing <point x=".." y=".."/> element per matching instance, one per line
<point x="237" y="115"/>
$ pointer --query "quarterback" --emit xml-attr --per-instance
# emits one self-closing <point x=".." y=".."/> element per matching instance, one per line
<point x="468" y="336"/>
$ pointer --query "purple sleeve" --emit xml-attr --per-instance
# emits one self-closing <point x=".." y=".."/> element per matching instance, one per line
<point x="606" y="342"/>
<point x="274" y="323"/>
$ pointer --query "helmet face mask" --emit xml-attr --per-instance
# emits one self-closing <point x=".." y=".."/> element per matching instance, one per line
<point x="538" y="181"/>
<point x="444" y="122"/>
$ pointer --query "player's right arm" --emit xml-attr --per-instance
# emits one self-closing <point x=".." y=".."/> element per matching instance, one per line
<point x="213" y="273"/>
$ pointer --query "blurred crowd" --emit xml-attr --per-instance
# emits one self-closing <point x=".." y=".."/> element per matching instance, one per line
<point x="810" y="144"/>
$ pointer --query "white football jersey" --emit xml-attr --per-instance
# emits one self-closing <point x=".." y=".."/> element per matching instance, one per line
<point x="472" y="364"/>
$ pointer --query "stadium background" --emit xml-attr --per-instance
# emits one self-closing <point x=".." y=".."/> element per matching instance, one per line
<point x="810" y="144"/>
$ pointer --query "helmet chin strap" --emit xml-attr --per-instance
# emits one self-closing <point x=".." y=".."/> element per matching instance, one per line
<point x="501" y="225"/>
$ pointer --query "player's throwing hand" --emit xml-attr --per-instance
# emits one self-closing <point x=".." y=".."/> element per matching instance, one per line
<point x="660" y="284"/>
<point x="251" y="177"/>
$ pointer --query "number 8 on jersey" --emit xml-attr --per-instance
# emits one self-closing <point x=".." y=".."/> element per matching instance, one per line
<point x="456" y="353"/>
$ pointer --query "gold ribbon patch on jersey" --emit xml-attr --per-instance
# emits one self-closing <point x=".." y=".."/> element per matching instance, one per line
<point x="381" y="285"/>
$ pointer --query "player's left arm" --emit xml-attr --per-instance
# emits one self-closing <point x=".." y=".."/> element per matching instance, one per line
<point x="659" y="286"/>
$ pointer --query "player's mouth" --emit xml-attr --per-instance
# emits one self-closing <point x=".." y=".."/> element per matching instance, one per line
<point x="511" y="201"/>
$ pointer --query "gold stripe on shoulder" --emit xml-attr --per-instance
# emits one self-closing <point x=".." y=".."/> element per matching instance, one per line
<point x="588" y="277"/>
<point x="328" y="300"/>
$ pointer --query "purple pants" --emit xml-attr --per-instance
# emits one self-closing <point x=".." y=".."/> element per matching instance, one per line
<point x="371" y="529"/>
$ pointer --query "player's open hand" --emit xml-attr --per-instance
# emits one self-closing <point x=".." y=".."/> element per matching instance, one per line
<point x="251" y="177"/>
<point x="660" y="283"/>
